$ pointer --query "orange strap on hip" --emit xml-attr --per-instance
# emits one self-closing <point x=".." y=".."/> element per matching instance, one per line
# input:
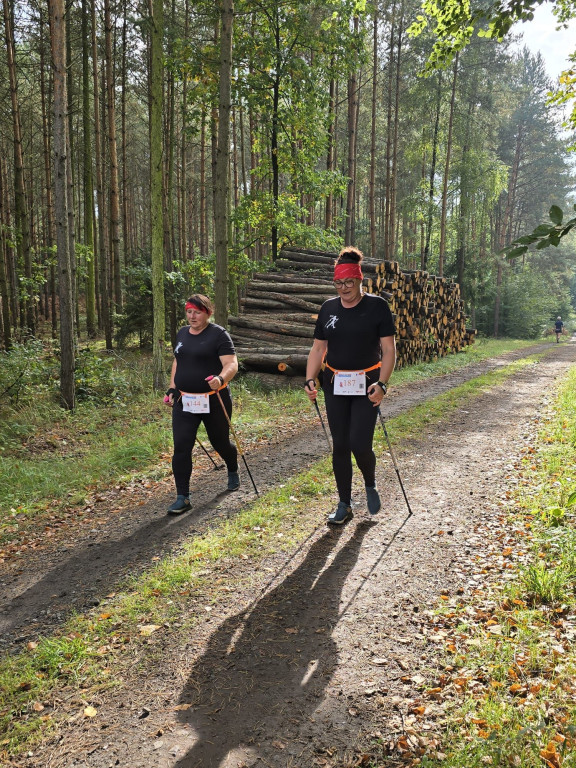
<point x="345" y="370"/>
<point x="212" y="391"/>
<point x="342" y="370"/>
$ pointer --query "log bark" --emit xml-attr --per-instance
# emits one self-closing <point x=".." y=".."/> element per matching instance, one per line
<point x="290" y="277"/>
<point x="294" y="301"/>
<point x="287" y="364"/>
<point x="289" y="329"/>
<point x="300" y="288"/>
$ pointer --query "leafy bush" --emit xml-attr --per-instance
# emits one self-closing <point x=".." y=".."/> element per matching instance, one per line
<point x="27" y="369"/>
<point x="98" y="380"/>
<point x="136" y="318"/>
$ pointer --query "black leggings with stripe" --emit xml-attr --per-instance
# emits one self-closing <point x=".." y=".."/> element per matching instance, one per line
<point x="184" y="429"/>
<point x="352" y="420"/>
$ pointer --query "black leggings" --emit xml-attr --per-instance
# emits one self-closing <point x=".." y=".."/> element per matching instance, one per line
<point x="184" y="428"/>
<point x="352" y="419"/>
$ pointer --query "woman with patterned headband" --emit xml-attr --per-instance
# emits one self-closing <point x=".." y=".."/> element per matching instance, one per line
<point x="204" y="363"/>
<point x="354" y="343"/>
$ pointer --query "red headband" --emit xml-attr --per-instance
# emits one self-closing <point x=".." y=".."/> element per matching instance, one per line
<point x="342" y="271"/>
<point x="192" y="305"/>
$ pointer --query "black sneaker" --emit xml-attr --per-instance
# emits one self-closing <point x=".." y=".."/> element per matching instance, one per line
<point x="233" y="481"/>
<point x="182" y="504"/>
<point x="341" y="514"/>
<point x="373" y="500"/>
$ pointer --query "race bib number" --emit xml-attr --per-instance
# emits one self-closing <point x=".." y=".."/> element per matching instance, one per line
<point x="350" y="383"/>
<point x="197" y="403"/>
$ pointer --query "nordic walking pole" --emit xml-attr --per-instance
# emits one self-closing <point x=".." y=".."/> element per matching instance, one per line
<point x="210" y="457"/>
<point x="319" y="414"/>
<point x="240" y="451"/>
<point x="322" y="422"/>
<point x="394" y="459"/>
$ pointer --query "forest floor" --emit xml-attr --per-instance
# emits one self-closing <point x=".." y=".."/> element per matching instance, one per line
<point x="310" y="657"/>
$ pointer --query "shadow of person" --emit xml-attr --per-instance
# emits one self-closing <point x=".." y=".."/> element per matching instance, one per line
<point x="262" y="673"/>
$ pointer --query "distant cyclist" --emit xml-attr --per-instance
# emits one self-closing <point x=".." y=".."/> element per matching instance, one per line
<point x="558" y="328"/>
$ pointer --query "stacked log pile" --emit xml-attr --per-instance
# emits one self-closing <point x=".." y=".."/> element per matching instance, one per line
<point x="275" y="328"/>
<point x="428" y="311"/>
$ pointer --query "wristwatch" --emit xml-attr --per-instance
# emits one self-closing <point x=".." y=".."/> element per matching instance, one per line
<point x="383" y="386"/>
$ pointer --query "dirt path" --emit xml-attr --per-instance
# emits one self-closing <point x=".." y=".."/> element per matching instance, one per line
<point x="315" y="667"/>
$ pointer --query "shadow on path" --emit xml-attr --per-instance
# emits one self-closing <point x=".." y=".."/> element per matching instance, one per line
<point x="264" y="671"/>
<point x="93" y="569"/>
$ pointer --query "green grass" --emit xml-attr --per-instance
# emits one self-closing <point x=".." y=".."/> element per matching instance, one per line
<point x="277" y="521"/>
<point x="482" y="349"/>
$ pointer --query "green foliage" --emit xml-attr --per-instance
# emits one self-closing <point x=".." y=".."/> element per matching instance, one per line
<point x="257" y="212"/>
<point x="530" y="297"/>
<point x="27" y="369"/>
<point x="99" y="380"/>
<point x="185" y="278"/>
<point x="544" y="235"/>
<point x="457" y="21"/>
<point x="136" y="318"/>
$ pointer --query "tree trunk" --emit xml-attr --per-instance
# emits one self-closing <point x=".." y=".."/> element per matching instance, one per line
<point x="465" y="202"/>
<point x="48" y="198"/>
<point x="126" y="239"/>
<point x="4" y="290"/>
<point x="21" y="213"/>
<point x="442" y="245"/>
<point x="394" y="217"/>
<point x="156" y="188"/>
<point x="203" y="213"/>
<point x="388" y="212"/>
<point x="372" y="181"/>
<point x="113" y="158"/>
<point x="221" y="180"/>
<point x="430" y="217"/>
<point x="70" y="171"/>
<point x="329" y="213"/>
<point x="350" y="225"/>
<point x="61" y="148"/>
<point x="88" y="178"/>
<point x="103" y="251"/>
<point x="274" y="138"/>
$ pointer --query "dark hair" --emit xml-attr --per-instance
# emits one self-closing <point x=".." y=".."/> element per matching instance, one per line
<point x="350" y="255"/>
<point x="201" y="301"/>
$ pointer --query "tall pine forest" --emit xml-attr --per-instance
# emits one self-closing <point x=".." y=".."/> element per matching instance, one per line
<point x="149" y="150"/>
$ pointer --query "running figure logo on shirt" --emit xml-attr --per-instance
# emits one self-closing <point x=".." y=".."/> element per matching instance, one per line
<point x="177" y="347"/>
<point x="332" y="322"/>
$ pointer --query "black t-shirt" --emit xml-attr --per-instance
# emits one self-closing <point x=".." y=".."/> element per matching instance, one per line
<point x="198" y="356"/>
<point x="559" y="325"/>
<point x="353" y="334"/>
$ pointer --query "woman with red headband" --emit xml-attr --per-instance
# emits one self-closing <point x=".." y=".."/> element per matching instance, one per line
<point x="354" y="342"/>
<point x="204" y="362"/>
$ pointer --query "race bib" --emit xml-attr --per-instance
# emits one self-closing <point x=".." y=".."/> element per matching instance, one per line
<point x="350" y="383"/>
<point x="196" y="403"/>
